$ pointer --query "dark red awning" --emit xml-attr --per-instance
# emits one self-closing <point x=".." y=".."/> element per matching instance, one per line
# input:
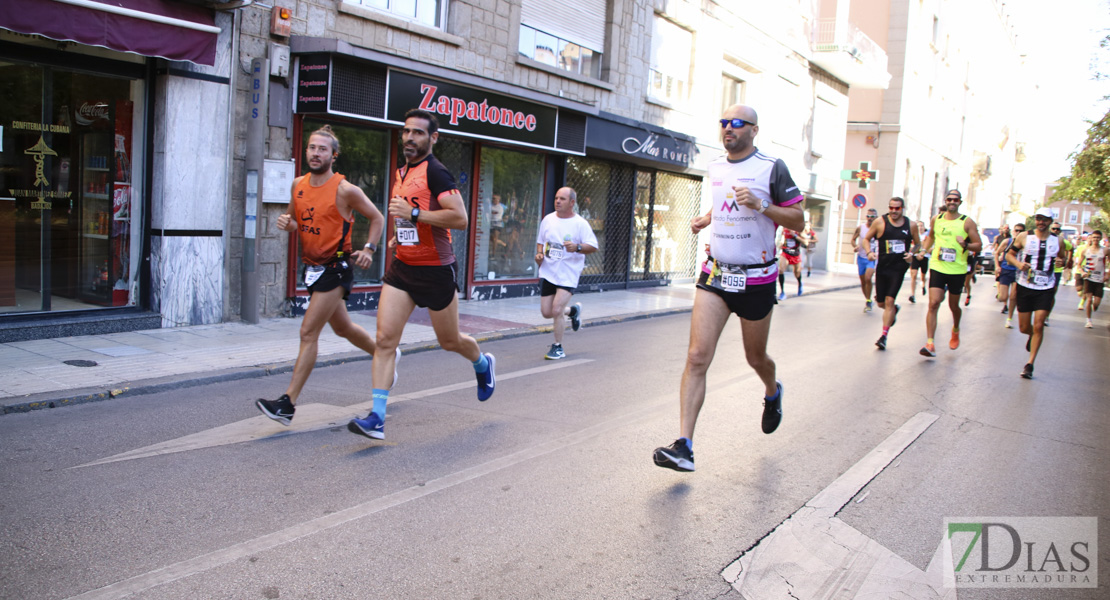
<point x="161" y="28"/>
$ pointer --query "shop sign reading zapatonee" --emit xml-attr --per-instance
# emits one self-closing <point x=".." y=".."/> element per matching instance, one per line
<point x="39" y="151"/>
<point x="471" y="111"/>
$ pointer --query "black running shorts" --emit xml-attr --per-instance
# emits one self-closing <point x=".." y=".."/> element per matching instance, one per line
<point x="888" y="280"/>
<point x="1029" y="300"/>
<point x="953" y="283"/>
<point x="548" y="289"/>
<point x="922" y="264"/>
<point x="336" y="275"/>
<point x="431" y="287"/>
<point x="754" y="304"/>
<point x="1093" y="288"/>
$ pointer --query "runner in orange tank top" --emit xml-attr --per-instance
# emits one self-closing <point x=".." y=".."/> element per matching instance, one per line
<point x="424" y="206"/>
<point x="321" y="211"/>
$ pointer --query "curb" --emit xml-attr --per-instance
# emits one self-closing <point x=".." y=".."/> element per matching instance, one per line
<point x="63" y="398"/>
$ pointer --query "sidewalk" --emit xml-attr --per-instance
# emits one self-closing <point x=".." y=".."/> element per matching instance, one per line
<point x="58" y="372"/>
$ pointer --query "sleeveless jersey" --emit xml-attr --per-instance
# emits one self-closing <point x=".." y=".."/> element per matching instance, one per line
<point x="422" y="185"/>
<point x="1068" y="247"/>
<point x="790" y="244"/>
<point x="894" y="243"/>
<point x="739" y="235"/>
<point x="861" y="251"/>
<point x="322" y="231"/>
<point x="1094" y="261"/>
<point x="1041" y="254"/>
<point x="1002" y="252"/>
<point x="948" y="256"/>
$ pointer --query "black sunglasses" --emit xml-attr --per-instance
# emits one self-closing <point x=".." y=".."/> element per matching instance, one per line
<point x="895" y="207"/>
<point x="736" y="123"/>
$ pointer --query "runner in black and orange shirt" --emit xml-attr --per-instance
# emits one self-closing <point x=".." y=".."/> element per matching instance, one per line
<point x="321" y="211"/>
<point x="424" y="206"/>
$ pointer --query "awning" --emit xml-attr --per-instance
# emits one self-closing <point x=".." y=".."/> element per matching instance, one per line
<point x="160" y="28"/>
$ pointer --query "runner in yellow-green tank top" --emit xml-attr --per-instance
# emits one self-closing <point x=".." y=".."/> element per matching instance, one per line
<point x="951" y="238"/>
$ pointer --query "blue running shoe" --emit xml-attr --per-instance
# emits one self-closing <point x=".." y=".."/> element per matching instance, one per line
<point x="487" y="380"/>
<point x="782" y="295"/>
<point x="372" y="426"/>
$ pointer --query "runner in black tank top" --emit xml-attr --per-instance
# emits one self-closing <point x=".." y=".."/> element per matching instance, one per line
<point x="898" y="240"/>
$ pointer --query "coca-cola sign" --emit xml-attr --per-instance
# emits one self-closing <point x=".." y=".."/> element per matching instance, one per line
<point x="90" y="112"/>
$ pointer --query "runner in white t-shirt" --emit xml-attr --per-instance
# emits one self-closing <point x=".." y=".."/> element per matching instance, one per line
<point x="562" y="244"/>
<point x="752" y="194"/>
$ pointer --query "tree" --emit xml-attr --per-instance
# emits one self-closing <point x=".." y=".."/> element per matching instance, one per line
<point x="1089" y="180"/>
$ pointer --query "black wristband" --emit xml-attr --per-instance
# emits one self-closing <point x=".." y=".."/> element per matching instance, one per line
<point x="415" y="214"/>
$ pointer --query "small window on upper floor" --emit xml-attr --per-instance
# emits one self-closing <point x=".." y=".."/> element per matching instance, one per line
<point x="566" y="34"/>
<point x="432" y="13"/>
<point x="732" y="92"/>
<point x="672" y="48"/>
<point x="555" y="51"/>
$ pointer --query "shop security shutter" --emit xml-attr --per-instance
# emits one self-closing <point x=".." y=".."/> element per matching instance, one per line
<point x="358" y="89"/>
<point x="579" y="21"/>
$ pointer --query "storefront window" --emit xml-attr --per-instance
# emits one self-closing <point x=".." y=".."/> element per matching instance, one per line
<point x="663" y="245"/>
<point x="70" y="209"/>
<point x="364" y="161"/>
<point x="505" y="242"/>
<point x="605" y="195"/>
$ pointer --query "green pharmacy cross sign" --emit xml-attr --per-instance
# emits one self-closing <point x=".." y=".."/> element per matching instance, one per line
<point x="863" y="175"/>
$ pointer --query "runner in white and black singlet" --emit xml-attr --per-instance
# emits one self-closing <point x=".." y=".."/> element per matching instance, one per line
<point x="752" y="194"/>
<point x="898" y="241"/>
<point x="1036" y="255"/>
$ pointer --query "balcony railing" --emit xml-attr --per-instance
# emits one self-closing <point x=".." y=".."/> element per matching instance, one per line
<point x="846" y="52"/>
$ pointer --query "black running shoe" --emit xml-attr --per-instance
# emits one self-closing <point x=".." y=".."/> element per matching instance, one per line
<point x="677" y="456"/>
<point x="1029" y="343"/>
<point x="280" y="410"/>
<point x="895" y="319"/>
<point x="1027" y="372"/>
<point x="772" y="411"/>
<point x="881" y="343"/>
<point x="1005" y="309"/>
<point x="576" y="316"/>
<point x="913" y="300"/>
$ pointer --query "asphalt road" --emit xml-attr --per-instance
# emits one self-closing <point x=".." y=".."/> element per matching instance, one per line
<point x="548" y="489"/>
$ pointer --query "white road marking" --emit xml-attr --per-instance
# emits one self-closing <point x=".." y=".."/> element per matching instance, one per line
<point x="815" y="555"/>
<point x="205" y="562"/>
<point x="310" y="417"/>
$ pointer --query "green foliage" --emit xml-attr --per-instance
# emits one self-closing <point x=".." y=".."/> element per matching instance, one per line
<point x="1089" y="180"/>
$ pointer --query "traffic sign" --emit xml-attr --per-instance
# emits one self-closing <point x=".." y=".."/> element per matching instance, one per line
<point x="859" y="201"/>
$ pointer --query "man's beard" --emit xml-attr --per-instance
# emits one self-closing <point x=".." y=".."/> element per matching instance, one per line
<point x="324" y="167"/>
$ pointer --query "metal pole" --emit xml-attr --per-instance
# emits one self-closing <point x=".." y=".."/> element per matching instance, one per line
<point x="256" y="146"/>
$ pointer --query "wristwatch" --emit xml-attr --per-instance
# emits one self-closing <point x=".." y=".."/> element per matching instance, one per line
<point x="372" y="247"/>
<point x="415" y="215"/>
<point x="764" y="205"/>
<point x="578" y="249"/>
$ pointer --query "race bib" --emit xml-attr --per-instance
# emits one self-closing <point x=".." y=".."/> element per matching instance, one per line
<point x="555" y="252"/>
<point x="875" y="245"/>
<point x="406" y="232"/>
<point x="730" y="278"/>
<point x="896" y="246"/>
<point x="311" y="274"/>
<point x="790" y="243"/>
<point x="948" y="255"/>
<point x="1041" y="278"/>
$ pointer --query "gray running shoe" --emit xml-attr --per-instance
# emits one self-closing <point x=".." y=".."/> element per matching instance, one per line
<point x="576" y="316"/>
<point x="555" y="353"/>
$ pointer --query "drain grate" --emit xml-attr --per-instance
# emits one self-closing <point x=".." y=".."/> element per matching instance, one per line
<point x="80" y="363"/>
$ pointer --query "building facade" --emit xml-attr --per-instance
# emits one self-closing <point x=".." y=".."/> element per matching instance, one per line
<point x="145" y="179"/>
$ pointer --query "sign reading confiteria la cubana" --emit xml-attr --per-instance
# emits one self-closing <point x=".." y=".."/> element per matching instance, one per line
<point x="471" y="111"/>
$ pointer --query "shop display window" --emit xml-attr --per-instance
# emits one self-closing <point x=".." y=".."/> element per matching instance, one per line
<point x="509" y="208"/>
<point x="364" y="161"/>
<point x="70" y="209"/>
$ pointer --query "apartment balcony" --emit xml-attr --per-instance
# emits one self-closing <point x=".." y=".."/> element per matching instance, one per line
<point x="846" y="52"/>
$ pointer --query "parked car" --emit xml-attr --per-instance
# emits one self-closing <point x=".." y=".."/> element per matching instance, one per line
<point x="986" y="260"/>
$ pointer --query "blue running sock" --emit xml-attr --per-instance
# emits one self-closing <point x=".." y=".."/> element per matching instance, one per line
<point x="778" y="392"/>
<point x="481" y="365"/>
<point x="689" y="443"/>
<point x="380" y="399"/>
